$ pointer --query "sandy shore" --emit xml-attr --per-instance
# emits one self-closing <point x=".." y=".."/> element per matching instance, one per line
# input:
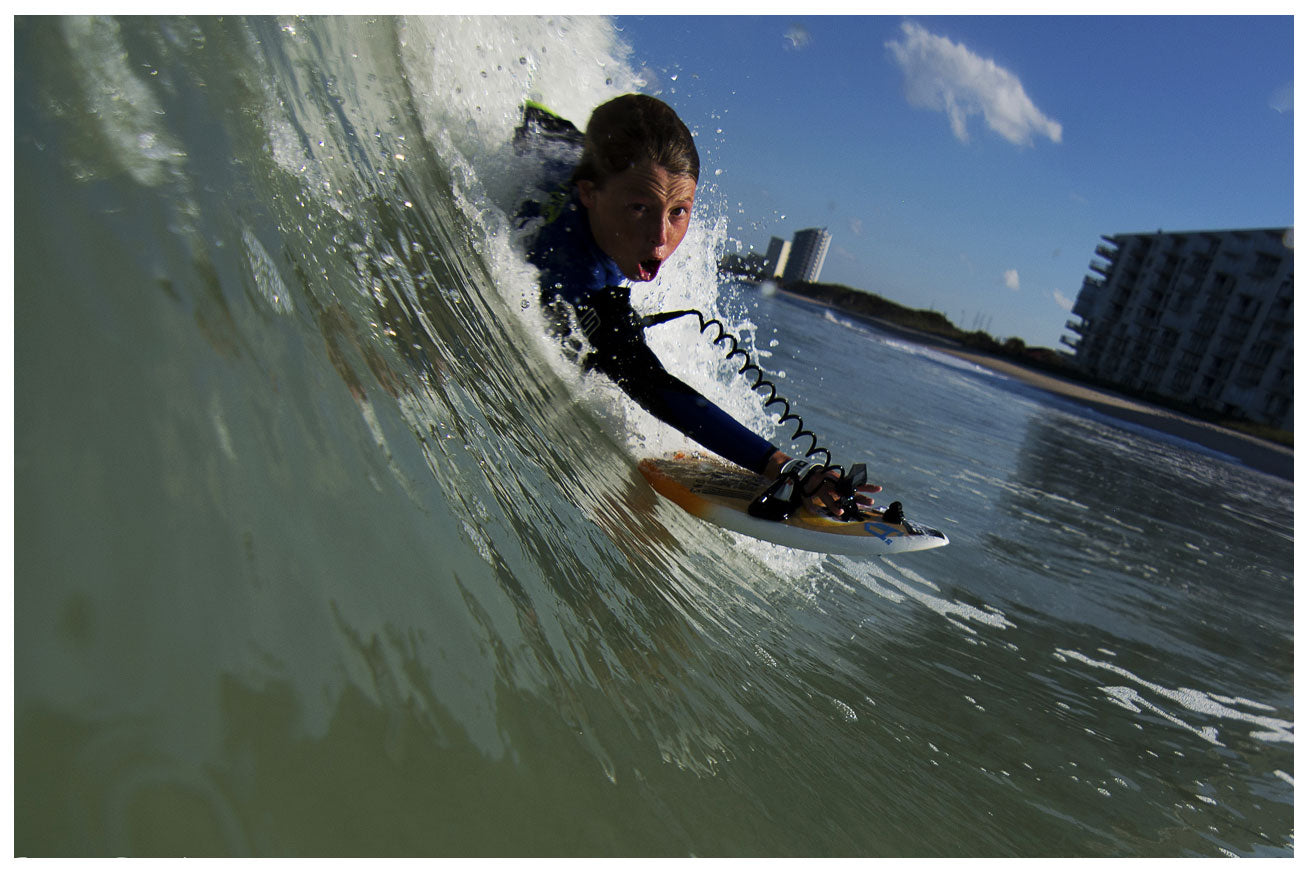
<point x="1258" y="454"/>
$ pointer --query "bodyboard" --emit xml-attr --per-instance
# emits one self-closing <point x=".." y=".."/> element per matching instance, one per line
<point x="719" y="493"/>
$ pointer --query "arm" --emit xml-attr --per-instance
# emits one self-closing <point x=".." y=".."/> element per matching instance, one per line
<point x="620" y="352"/>
<point x="637" y="370"/>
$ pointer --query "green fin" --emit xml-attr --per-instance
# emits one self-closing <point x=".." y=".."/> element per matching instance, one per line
<point x="541" y="108"/>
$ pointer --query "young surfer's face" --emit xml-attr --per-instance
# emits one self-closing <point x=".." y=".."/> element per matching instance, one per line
<point x="638" y="217"/>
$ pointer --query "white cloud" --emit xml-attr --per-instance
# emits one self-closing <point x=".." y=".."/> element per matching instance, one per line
<point x="856" y="226"/>
<point x="1281" y="100"/>
<point x="1061" y="300"/>
<point x="1012" y="279"/>
<point x="796" y="38"/>
<point x="946" y="76"/>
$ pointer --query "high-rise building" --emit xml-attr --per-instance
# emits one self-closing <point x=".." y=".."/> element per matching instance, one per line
<point x="1204" y="317"/>
<point x="776" y="257"/>
<point x="809" y="247"/>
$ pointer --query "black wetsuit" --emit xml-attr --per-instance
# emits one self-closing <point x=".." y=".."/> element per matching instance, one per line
<point x="575" y="272"/>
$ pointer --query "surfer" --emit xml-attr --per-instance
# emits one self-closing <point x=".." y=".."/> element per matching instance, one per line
<point x="615" y="205"/>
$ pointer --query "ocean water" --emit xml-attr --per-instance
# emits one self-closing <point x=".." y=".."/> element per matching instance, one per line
<point x="322" y="549"/>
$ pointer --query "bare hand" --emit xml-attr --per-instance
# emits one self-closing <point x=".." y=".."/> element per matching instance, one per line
<point x="826" y="497"/>
<point x="823" y="497"/>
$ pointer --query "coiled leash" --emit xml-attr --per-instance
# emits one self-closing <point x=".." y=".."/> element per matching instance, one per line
<point x="798" y="479"/>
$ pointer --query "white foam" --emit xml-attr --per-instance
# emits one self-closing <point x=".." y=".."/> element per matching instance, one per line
<point x="953" y="611"/>
<point x="124" y="106"/>
<point x="265" y="274"/>
<point x="1205" y="703"/>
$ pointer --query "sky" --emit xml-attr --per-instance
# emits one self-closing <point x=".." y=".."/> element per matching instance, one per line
<point x="971" y="164"/>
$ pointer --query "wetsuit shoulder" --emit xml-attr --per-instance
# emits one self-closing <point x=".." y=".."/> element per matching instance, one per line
<point x="571" y="263"/>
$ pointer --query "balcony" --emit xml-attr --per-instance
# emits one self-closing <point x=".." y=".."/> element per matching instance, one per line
<point x="1276" y="328"/>
<point x="1232" y="342"/>
<point x="1077" y="327"/>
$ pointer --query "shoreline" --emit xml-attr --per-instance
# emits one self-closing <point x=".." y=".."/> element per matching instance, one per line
<point x="1253" y="452"/>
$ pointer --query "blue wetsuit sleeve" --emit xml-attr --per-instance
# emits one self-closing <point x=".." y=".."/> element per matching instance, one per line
<point x="690" y="412"/>
<point x="621" y="354"/>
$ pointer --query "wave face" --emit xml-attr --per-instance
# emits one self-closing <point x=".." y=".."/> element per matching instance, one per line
<point x="322" y="548"/>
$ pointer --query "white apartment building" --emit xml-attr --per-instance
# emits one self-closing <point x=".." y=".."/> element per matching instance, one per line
<point x="1204" y="317"/>
<point x="776" y="257"/>
<point x="809" y="248"/>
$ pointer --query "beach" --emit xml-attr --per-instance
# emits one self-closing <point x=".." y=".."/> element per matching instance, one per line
<point x="1254" y="452"/>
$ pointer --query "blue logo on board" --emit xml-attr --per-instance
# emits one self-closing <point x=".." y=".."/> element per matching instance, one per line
<point x="883" y="532"/>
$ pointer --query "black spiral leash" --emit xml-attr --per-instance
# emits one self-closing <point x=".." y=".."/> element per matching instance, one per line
<point x="786" y="493"/>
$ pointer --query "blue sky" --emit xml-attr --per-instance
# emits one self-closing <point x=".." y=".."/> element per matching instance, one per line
<point x="971" y="164"/>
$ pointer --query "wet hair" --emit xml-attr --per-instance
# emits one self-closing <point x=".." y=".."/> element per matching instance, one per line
<point x="631" y="129"/>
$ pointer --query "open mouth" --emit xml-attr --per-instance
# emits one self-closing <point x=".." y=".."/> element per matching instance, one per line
<point x="647" y="270"/>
